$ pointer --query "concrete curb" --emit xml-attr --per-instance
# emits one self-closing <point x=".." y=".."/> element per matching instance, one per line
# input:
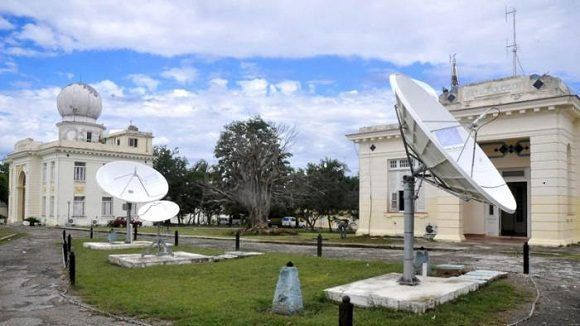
<point x="8" y="236"/>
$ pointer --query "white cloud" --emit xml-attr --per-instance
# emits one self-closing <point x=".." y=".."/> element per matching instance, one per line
<point x="144" y="80"/>
<point x="288" y="87"/>
<point x="193" y="120"/>
<point x="218" y="83"/>
<point x="108" y="88"/>
<point x="254" y="87"/>
<point x="9" y="67"/>
<point x="183" y="75"/>
<point x="402" y="32"/>
<point x="5" y="24"/>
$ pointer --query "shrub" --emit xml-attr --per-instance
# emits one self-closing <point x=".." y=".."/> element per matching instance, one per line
<point x="32" y="220"/>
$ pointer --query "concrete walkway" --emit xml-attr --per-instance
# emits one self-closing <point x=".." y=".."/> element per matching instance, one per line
<point x="31" y="280"/>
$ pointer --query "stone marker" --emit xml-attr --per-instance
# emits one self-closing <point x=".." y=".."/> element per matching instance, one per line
<point x="288" y="297"/>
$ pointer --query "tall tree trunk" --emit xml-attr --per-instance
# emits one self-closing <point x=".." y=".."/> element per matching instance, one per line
<point x="329" y="223"/>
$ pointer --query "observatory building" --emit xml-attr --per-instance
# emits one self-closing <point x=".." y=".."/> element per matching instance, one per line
<point x="55" y="181"/>
<point x="535" y="144"/>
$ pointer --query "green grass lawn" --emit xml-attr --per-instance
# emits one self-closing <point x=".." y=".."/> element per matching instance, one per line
<point x="240" y="292"/>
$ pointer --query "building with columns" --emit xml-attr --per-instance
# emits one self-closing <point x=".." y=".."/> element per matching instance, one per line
<point x="55" y="181"/>
<point x="534" y="143"/>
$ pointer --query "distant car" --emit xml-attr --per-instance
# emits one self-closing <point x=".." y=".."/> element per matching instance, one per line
<point x="290" y="221"/>
<point x="121" y="222"/>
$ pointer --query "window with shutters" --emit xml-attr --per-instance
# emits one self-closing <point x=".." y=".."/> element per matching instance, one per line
<point x="79" y="206"/>
<point x="107" y="206"/>
<point x="79" y="172"/>
<point x="397" y="169"/>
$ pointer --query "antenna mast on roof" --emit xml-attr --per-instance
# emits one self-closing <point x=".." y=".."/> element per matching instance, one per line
<point x="514" y="45"/>
<point x="454" y="75"/>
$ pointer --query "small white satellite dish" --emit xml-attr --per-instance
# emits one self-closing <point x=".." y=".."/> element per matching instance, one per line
<point x="131" y="181"/>
<point x="158" y="211"/>
<point x="446" y="149"/>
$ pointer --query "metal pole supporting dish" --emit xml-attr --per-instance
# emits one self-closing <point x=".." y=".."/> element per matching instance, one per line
<point x="409" y="215"/>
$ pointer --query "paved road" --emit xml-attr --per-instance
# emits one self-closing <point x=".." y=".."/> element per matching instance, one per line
<point x="31" y="277"/>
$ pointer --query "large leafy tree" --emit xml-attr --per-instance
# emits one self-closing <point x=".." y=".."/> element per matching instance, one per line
<point x="330" y="188"/>
<point x="184" y="189"/>
<point x="252" y="166"/>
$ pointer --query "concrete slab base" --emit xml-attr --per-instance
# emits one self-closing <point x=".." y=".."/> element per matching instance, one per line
<point x="139" y="261"/>
<point x="178" y="258"/>
<point x="116" y="245"/>
<point x="385" y="291"/>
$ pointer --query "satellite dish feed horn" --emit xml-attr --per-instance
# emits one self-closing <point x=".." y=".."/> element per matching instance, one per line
<point x="448" y="157"/>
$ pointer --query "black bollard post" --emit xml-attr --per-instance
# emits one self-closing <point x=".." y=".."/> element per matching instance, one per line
<point x="64" y="253"/>
<point x="319" y="245"/>
<point x="135" y="232"/>
<point x="176" y="238"/>
<point x="91" y="232"/>
<point x="345" y="312"/>
<point x="238" y="240"/>
<point x="63" y="236"/>
<point x="69" y="243"/>
<point x="72" y="268"/>
<point x="526" y="258"/>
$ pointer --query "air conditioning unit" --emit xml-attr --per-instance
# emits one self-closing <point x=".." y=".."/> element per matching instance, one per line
<point x="70" y="221"/>
<point x="430" y="231"/>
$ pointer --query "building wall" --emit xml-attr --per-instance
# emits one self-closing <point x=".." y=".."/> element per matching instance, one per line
<point x="29" y="156"/>
<point x="550" y="125"/>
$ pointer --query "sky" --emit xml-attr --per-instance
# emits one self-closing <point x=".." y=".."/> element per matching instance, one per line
<point x="184" y="69"/>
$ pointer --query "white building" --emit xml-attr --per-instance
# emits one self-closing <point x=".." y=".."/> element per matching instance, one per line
<point x="535" y="145"/>
<point x="55" y="181"/>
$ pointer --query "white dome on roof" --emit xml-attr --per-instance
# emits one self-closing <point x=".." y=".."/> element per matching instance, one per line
<point x="79" y="100"/>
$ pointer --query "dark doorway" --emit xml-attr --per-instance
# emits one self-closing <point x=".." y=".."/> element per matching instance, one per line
<point x="516" y="224"/>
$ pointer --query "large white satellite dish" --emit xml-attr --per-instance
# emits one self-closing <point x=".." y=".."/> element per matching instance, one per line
<point x="446" y="149"/>
<point x="158" y="211"/>
<point x="447" y="156"/>
<point x="131" y="181"/>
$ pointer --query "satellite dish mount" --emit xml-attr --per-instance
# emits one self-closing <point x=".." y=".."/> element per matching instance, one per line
<point x="441" y="152"/>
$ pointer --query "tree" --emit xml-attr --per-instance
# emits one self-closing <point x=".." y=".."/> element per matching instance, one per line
<point x="4" y="182"/>
<point x="252" y="166"/>
<point x="183" y="187"/>
<point x="329" y="188"/>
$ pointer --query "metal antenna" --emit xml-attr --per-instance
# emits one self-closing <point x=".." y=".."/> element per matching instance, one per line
<point x="514" y="45"/>
<point x="454" y="74"/>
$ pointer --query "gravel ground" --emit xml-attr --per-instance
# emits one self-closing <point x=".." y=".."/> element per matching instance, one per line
<point x="32" y="277"/>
